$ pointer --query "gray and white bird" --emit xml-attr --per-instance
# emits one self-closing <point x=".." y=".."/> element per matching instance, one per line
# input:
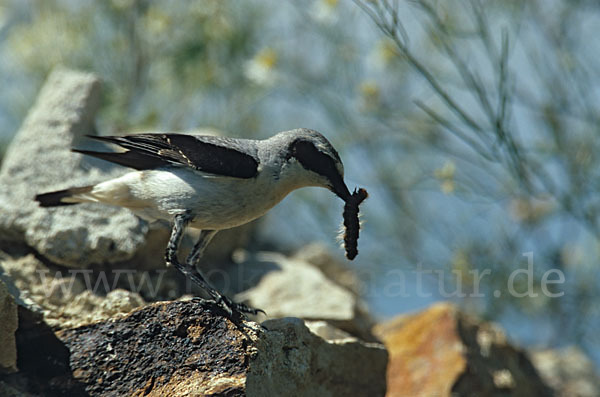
<point x="209" y="183"/>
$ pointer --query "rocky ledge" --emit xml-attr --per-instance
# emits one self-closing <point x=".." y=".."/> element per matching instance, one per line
<point x="183" y="348"/>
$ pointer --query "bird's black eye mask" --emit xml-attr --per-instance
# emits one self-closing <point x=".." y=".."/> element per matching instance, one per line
<point x="316" y="161"/>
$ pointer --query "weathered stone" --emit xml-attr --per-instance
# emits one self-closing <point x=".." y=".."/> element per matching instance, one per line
<point x="184" y="349"/>
<point x="291" y="360"/>
<point x="43" y="362"/>
<point x="8" y="326"/>
<point x="39" y="159"/>
<point x="87" y="308"/>
<point x="318" y="255"/>
<point x="38" y="285"/>
<point x="64" y="299"/>
<point x="568" y="371"/>
<point x="326" y="331"/>
<point x="294" y="288"/>
<point x="443" y="352"/>
<point x="172" y="348"/>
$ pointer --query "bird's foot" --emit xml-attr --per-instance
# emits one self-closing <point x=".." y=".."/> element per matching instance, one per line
<point x="231" y="308"/>
<point x="235" y="308"/>
<point x="202" y="301"/>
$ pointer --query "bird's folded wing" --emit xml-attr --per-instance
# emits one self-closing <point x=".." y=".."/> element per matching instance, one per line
<point x="210" y="154"/>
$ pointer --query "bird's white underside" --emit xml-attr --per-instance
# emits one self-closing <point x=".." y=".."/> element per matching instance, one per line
<point x="217" y="202"/>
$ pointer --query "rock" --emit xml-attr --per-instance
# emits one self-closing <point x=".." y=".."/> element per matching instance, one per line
<point x="65" y="298"/>
<point x="183" y="349"/>
<point x="293" y="361"/>
<point x="8" y="326"/>
<point x="326" y="331"/>
<point x="444" y="352"/>
<point x="318" y="255"/>
<point x="172" y="348"/>
<point x="568" y="371"/>
<point x="43" y="362"/>
<point x="294" y="288"/>
<point x="39" y="286"/>
<point x="39" y="159"/>
<point x="87" y="308"/>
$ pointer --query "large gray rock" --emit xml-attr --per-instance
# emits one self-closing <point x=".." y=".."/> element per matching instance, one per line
<point x="39" y="159"/>
<point x="291" y="287"/>
<point x="8" y="326"/>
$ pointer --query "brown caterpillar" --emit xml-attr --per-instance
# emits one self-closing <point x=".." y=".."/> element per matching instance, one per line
<point x="351" y="222"/>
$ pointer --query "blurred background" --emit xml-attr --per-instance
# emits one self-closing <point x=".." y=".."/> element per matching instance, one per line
<point x="473" y="124"/>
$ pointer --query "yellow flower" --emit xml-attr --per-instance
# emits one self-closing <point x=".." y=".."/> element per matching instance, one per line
<point x="267" y="58"/>
<point x="386" y="51"/>
<point x="260" y="68"/>
<point x="462" y="266"/>
<point x="156" y="21"/>
<point x="324" y="11"/>
<point x="531" y="209"/>
<point x="123" y="4"/>
<point x="445" y="175"/>
<point x="370" y="94"/>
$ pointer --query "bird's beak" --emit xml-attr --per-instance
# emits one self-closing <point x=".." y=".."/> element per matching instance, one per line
<point x="338" y="186"/>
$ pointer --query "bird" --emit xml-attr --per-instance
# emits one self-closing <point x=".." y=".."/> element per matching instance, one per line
<point x="210" y="183"/>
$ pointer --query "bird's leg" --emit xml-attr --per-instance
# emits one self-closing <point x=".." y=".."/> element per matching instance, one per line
<point x="189" y="269"/>
<point x="191" y="263"/>
<point x="179" y="223"/>
<point x="198" y="250"/>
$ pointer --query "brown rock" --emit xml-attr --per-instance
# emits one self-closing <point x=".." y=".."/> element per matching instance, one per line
<point x="444" y="352"/>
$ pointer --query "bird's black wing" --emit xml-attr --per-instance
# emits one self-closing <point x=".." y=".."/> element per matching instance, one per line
<point x="211" y="154"/>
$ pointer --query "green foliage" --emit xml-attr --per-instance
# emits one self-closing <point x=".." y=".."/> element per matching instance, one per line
<point x="159" y="59"/>
<point x="511" y="98"/>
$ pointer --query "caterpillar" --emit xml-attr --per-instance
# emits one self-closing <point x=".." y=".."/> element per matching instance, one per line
<point x="351" y="222"/>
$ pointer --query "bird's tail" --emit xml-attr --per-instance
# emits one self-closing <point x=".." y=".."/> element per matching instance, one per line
<point x="74" y="195"/>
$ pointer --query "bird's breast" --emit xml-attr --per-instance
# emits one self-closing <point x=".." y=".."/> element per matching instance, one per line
<point x="216" y="202"/>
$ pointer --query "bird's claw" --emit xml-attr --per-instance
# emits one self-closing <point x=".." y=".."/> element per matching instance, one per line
<point x="232" y="307"/>
<point x="228" y="306"/>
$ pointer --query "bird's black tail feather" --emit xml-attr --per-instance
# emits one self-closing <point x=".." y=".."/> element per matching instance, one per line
<point x="61" y="197"/>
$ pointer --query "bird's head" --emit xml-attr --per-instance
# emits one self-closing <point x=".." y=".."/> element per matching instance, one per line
<point x="312" y="161"/>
